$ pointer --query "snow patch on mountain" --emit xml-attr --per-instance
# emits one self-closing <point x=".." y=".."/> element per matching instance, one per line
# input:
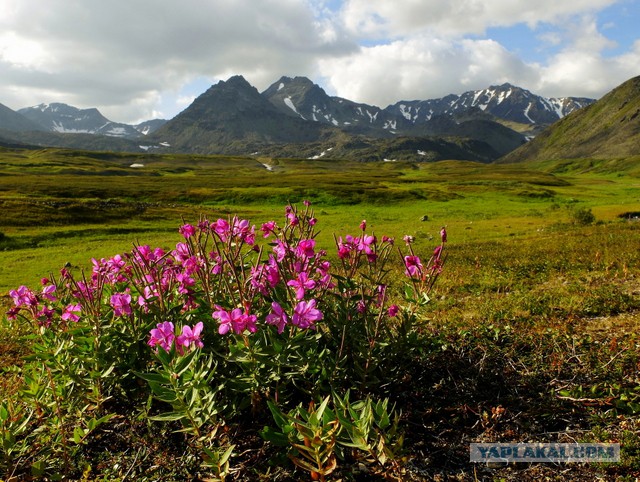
<point x="289" y="103"/>
<point x="322" y="154"/>
<point x="526" y="113"/>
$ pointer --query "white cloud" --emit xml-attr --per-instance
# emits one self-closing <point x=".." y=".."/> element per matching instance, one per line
<point x="423" y="68"/>
<point x="108" y="53"/>
<point x="137" y="59"/>
<point x="581" y="69"/>
<point x="400" y="18"/>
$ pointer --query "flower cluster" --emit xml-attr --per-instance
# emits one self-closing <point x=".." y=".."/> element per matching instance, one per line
<point x="163" y="336"/>
<point x="424" y="276"/>
<point x="219" y="272"/>
<point x="38" y="305"/>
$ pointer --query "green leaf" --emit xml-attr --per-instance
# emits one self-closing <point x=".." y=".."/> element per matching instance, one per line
<point x="278" y="416"/>
<point x="277" y="438"/>
<point x="153" y="377"/>
<point x="163" y="394"/>
<point x="318" y="413"/>
<point x="38" y="468"/>
<point x="78" y="435"/>
<point x="108" y="371"/>
<point x="168" y="417"/>
<point x="4" y="413"/>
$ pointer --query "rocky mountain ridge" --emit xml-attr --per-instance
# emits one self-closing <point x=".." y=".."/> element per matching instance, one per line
<point x="66" y="119"/>
<point x="296" y="117"/>
<point x="302" y="98"/>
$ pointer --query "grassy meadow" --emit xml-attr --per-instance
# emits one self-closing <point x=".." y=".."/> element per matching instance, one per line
<point x="63" y="206"/>
<point x="533" y="326"/>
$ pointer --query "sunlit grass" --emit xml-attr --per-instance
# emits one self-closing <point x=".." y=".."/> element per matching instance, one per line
<point x="531" y="302"/>
<point x="64" y="207"/>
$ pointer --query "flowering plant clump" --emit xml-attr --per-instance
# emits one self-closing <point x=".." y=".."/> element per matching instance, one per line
<point x="232" y="317"/>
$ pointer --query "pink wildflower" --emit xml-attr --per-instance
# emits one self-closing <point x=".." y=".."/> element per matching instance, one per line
<point x="190" y="337"/>
<point x="121" y="304"/>
<point x="268" y="228"/>
<point x="47" y="292"/>
<point x="278" y="317"/>
<point x="236" y="320"/>
<point x="71" y="313"/>
<point x="301" y="284"/>
<point x="243" y="231"/>
<point x="45" y="316"/>
<point x="163" y="336"/>
<point x="187" y="231"/>
<point x="413" y="265"/>
<point x="23" y="296"/>
<point x="305" y="314"/>
<point x="305" y="248"/>
<point x="222" y="229"/>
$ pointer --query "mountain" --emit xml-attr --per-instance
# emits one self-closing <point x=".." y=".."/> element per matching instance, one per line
<point x="147" y="127"/>
<point x="295" y="117"/>
<point x="504" y="116"/>
<point x="63" y="118"/>
<point x="608" y="128"/>
<point x="300" y="97"/>
<point x="473" y="124"/>
<point x="232" y="117"/>
<point x="506" y="102"/>
<point x="401" y="148"/>
<point x="10" y="120"/>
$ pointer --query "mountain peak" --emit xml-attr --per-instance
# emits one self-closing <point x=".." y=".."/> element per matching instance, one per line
<point x="236" y="80"/>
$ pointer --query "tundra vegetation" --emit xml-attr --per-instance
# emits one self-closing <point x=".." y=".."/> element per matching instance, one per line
<point x="221" y="318"/>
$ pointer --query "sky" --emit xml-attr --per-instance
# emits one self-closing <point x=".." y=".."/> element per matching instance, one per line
<point x="142" y="59"/>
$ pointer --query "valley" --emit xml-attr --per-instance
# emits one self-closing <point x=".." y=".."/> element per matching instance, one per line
<point x="530" y="333"/>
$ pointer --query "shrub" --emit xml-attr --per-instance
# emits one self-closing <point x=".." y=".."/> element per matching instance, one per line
<point x="222" y="328"/>
<point x="581" y="216"/>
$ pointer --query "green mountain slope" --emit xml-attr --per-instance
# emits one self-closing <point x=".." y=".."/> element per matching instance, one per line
<point x="607" y="129"/>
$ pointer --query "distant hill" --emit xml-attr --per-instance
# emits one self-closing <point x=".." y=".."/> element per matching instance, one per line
<point x="11" y="120"/>
<point x="401" y="148"/>
<point x="66" y="119"/>
<point x="147" y="127"/>
<point x="90" y="142"/>
<point x="608" y="128"/>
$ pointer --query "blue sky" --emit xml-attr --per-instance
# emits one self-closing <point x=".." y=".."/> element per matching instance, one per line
<point x="143" y="59"/>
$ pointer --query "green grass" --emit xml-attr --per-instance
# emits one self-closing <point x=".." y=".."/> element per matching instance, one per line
<point x="534" y="313"/>
<point x="62" y="206"/>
